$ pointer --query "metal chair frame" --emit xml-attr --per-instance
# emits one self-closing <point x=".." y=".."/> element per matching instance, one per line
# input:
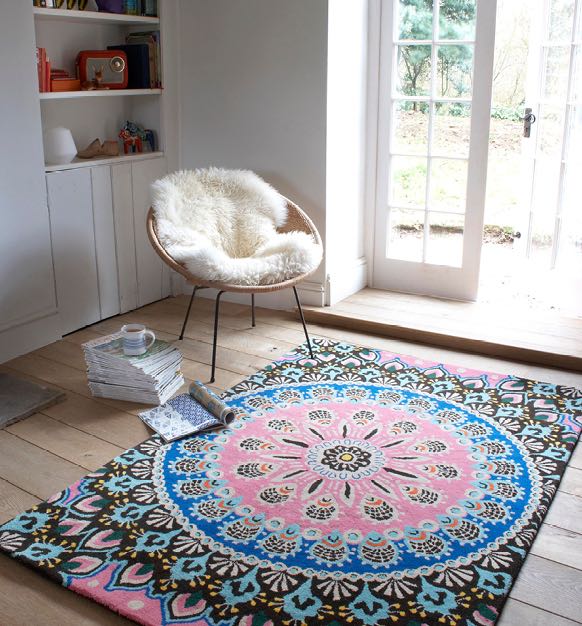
<point x="253" y="322"/>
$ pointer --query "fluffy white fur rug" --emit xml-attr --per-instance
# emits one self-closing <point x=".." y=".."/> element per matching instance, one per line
<point x="221" y="224"/>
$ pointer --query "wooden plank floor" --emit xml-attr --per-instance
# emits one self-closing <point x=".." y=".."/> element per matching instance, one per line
<point x="51" y="449"/>
<point x="507" y="332"/>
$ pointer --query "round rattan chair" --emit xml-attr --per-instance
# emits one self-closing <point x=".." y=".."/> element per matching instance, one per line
<point x="297" y="220"/>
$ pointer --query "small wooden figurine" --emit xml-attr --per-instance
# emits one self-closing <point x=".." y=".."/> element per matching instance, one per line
<point x="95" y="84"/>
<point x="150" y="139"/>
<point x="132" y="135"/>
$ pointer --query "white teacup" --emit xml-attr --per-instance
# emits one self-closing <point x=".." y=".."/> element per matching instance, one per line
<point x="135" y="339"/>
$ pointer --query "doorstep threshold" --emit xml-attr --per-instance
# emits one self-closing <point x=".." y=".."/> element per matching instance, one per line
<point x="553" y="341"/>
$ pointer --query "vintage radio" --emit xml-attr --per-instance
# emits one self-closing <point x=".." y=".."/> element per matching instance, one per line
<point x="102" y="68"/>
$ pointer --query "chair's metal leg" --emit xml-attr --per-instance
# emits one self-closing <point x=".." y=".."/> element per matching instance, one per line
<point x="303" y="321"/>
<point x="216" y="307"/>
<point x="188" y="312"/>
<point x="253" y="309"/>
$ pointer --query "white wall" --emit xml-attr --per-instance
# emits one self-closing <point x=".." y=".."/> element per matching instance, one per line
<point x="279" y="87"/>
<point x="346" y="145"/>
<point x="253" y="95"/>
<point x="27" y="292"/>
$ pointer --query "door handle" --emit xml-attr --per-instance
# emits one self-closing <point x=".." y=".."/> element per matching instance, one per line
<point x="528" y="119"/>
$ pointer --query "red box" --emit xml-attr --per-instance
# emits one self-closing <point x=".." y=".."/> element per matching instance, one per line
<point x="113" y="64"/>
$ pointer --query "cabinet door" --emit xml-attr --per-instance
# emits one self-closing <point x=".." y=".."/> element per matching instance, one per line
<point x="71" y="219"/>
<point x="124" y="235"/>
<point x="105" y="241"/>
<point x="152" y="273"/>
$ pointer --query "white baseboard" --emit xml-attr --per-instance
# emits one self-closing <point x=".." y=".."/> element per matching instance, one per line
<point x="347" y="280"/>
<point x="28" y="337"/>
<point x="311" y="293"/>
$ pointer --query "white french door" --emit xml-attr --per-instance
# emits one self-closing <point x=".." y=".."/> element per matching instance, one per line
<point x="436" y="59"/>
<point x="532" y="251"/>
<point x="551" y="150"/>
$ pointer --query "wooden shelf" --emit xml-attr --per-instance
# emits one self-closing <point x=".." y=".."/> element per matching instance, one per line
<point x="98" y="93"/>
<point x="93" y="17"/>
<point x="123" y="158"/>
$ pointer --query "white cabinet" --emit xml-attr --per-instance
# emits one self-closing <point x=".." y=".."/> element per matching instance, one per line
<point x="153" y="276"/>
<point x="124" y="236"/>
<point x="105" y="249"/>
<point x="143" y="278"/>
<point x="73" y="240"/>
<point x="104" y="263"/>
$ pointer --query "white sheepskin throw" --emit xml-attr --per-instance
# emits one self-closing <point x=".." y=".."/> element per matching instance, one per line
<point x="221" y="224"/>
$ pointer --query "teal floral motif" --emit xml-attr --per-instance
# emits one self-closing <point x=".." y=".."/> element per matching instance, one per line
<point x="42" y="552"/>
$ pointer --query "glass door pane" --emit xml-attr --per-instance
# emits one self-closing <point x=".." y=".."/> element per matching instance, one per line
<point x="434" y="89"/>
<point x="457" y="20"/>
<point x="431" y="120"/>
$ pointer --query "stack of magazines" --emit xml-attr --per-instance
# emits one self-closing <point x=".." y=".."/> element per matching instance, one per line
<point x="151" y="378"/>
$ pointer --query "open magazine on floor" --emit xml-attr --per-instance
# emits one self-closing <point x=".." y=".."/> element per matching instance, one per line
<point x="188" y="413"/>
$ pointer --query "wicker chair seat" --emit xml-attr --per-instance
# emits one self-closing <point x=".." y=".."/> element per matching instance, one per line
<point x="297" y="220"/>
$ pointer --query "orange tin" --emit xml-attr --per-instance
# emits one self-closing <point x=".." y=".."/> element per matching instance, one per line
<point x="65" y="84"/>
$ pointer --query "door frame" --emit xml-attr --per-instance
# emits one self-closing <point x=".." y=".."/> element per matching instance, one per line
<point x="424" y="278"/>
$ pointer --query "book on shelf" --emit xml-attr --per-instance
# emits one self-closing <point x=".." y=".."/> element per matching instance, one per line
<point x="138" y="64"/>
<point x="188" y="413"/>
<point x="143" y="59"/>
<point x="39" y="67"/>
<point x="43" y="68"/>
<point x="148" y="8"/>
<point x="150" y="378"/>
<point x="152" y="39"/>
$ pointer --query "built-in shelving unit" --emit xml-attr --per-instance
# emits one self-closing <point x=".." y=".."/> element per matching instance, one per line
<point x="98" y="93"/>
<point x="122" y="158"/>
<point x="77" y="231"/>
<point x="96" y="113"/>
<point x="102" y="259"/>
<point x="94" y="17"/>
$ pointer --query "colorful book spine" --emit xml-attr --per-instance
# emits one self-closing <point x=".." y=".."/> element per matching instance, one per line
<point x="148" y="7"/>
<point x="39" y="67"/>
<point x="156" y="35"/>
<point x="43" y="68"/>
<point x="47" y="75"/>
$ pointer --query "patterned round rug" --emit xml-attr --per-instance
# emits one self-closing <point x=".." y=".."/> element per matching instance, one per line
<point x="358" y="488"/>
<point x="359" y="477"/>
